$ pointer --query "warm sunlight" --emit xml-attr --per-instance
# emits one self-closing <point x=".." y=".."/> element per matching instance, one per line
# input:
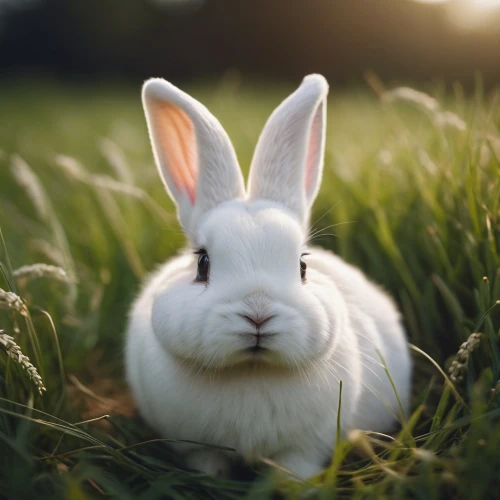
<point x="470" y="14"/>
<point x="485" y="4"/>
<point x="475" y="14"/>
<point x="476" y="4"/>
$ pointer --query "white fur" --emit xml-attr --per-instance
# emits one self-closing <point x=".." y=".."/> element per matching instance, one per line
<point x="188" y="133"/>
<point x="187" y="354"/>
<point x="291" y="145"/>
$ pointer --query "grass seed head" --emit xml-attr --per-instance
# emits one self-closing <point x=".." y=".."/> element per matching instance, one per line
<point x="420" y="99"/>
<point x="107" y="182"/>
<point x="14" y="352"/>
<point x="117" y="160"/>
<point x="447" y="119"/>
<point x="71" y="167"/>
<point x="11" y="301"/>
<point x="27" y="179"/>
<point x="36" y="271"/>
<point x="459" y="364"/>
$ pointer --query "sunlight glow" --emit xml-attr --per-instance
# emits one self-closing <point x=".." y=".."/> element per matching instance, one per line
<point x="474" y="14"/>
<point x="485" y="4"/>
<point x="470" y="4"/>
<point x="470" y="14"/>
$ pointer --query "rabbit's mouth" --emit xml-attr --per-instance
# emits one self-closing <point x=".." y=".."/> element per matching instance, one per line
<point x="261" y="347"/>
<point x="257" y="353"/>
<point x="256" y="349"/>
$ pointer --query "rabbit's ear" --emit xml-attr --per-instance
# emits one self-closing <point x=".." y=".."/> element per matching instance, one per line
<point x="288" y="161"/>
<point x="194" y="155"/>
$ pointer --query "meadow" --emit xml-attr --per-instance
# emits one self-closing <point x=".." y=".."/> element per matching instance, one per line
<point x="411" y="179"/>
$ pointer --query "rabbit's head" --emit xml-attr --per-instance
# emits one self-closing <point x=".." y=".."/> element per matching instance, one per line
<point x="246" y="294"/>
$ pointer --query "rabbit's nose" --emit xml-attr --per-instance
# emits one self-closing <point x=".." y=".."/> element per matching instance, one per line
<point x="256" y="320"/>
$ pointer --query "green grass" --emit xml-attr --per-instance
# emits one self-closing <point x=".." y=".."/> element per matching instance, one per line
<point x="425" y="199"/>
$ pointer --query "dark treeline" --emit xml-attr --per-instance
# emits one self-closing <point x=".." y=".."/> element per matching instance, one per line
<point x="398" y="39"/>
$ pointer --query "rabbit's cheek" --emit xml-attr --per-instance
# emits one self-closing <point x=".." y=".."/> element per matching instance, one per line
<point x="327" y="314"/>
<point x="178" y="331"/>
<point x="310" y="342"/>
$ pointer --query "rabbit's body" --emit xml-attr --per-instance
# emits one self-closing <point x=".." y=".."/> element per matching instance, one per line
<point x="244" y="353"/>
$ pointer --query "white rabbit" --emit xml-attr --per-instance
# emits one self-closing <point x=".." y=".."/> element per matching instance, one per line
<point x="242" y="340"/>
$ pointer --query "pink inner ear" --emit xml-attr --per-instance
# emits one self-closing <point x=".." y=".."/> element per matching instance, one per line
<point x="177" y="143"/>
<point x="313" y="146"/>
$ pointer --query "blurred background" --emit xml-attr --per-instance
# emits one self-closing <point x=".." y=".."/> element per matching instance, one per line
<point x="399" y="40"/>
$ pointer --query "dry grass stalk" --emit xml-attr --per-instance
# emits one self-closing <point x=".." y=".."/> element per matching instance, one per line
<point x="34" y="189"/>
<point x="35" y="271"/>
<point x="71" y="168"/>
<point x="49" y="251"/>
<point x="117" y="160"/>
<point x="26" y="178"/>
<point x="447" y="119"/>
<point x="107" y="182"/>
<point x="74" y="170"/>
<point x="459" y="364"/>
<point x="11" y="301"/>
<point x="413" y="96"/>
<point x="14" y="352"/>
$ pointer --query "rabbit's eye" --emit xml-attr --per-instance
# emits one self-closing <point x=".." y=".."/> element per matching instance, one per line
<point x="203" y="267"/>
<point x="303" y="267"/>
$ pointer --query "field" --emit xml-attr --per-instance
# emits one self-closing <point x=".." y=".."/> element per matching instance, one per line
<point x="414" y="182"/>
